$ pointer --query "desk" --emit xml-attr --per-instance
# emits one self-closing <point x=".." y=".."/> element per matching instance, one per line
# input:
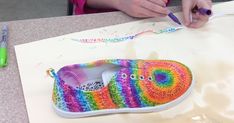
<point x="12" y="104"/>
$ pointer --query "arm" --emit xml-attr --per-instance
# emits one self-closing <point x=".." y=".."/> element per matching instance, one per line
<point x="102" y="4"/>
<point x="135" y="8"/>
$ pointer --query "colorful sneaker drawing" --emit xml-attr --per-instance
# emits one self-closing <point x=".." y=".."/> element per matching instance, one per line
<point x="117" y="86"/>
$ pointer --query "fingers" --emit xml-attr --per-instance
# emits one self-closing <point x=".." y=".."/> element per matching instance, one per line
<point x="195" y="20"/>
<point x="154" y="7"/>
<point x="143" y="8"/>
<point x="159" y="2"/>
<point x="204" y="4"/>
<point x="145" y="13"/>
<point x="187" y="12"/>
<point x="201" y="19"/>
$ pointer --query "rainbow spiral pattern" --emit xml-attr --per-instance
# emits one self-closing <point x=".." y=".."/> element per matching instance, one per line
<point x="138" y="84"/>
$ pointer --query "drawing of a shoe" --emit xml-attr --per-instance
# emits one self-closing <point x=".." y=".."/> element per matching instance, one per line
<point x="117" y="86"/>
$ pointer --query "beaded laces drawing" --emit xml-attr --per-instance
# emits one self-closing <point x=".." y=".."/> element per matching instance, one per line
<point x="126" y="38"/>
<point x="114" y="86"/>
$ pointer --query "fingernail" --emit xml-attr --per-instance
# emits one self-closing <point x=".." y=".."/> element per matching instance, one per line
<point x="186" y="23"/>
<point x="191" y="18"/>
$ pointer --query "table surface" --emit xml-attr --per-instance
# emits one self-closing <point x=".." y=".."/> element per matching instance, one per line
<point x="12" y="103"/>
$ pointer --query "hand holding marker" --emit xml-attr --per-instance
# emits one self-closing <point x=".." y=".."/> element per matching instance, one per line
<point x="202" y="11"/>
<point x="3" y="47"/>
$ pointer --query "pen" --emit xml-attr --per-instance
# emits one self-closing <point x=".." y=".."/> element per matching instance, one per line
<point x="202" y="11"/>
<point x="174" y="18"/>
<point x="3" y="46"/>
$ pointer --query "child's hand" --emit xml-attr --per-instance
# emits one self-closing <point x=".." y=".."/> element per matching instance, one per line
<point x="195" y="20"/>
<point x="143" y="8"/>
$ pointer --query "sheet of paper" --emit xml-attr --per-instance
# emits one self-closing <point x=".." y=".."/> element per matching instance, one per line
<point x="208" y="51"/>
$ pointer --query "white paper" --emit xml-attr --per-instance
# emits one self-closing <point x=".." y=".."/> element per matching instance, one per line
<point x="207" y="51"/>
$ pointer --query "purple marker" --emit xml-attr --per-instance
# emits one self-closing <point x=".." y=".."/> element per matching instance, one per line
<point x="202" y="11"/>
<point x="174" y="18"/>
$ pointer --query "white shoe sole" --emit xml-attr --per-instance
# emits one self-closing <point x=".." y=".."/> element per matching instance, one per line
<point x="125" y="110"/>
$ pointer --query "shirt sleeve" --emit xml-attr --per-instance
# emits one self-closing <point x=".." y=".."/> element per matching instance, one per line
<point x="82" y="8"/>
<point x="168" y="2"/>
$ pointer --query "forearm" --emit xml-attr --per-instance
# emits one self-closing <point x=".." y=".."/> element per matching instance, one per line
<point x="107" y="4"/>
